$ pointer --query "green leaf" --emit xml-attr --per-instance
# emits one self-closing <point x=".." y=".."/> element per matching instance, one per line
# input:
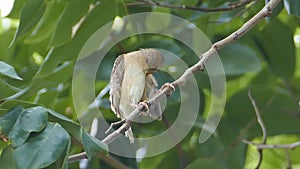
<point x="61" y="163"/>
<point x="238" y="59"/>
<point x="88" y="27"/>
<point x="12" y="104"/>
<point x="5" y="39"/>
<point x="292" y="7"/>
<point x="6" y="158"/>
<point x="8" y="70"/>
<point x="276" y="108"/>
<point x="31" y="13"/>
<point x="156" y="24"/>
<point x="171" y="160"/>
<point x="47" y="24"/>
<point x="29" y="120"/>
<point x="42" y="149"/>
<point x="91" y="145"/>
<point x="8" y="120"/>
<point x="16" y="10"/>
<point x="274" y="158"/>
<point x="59" y="75"/>
<point x="276" y="43"/>
<point x="67" y="20"/>
<point x="203" y="163"/>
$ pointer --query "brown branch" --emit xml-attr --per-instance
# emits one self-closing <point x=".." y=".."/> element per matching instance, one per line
<point x="199" y="66"/>
<point x="230" y="6"/>
<point x="262" y="126"/>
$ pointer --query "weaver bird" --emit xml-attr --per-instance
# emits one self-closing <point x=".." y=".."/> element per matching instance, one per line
<point x="132" y="81"/>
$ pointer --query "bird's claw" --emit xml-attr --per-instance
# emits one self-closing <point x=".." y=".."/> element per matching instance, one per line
<point x="170" y="87"/>
<point x="145" y="110"/>
<point x="145" y="107"/>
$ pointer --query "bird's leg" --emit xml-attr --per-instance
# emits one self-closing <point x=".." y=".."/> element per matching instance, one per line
<point x="114" y="124"/>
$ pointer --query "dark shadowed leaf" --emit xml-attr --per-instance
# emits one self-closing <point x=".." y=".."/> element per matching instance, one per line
<point x="276" y="43"/>
<point x="29" y="120"/>
<point x="42" y="149"/>
<point x="203" y="163"/>
<point x="239" y="59"/>
<point x="292" y="6"/>
<point x="90" y="144"/>
<point x="8" y="120"/>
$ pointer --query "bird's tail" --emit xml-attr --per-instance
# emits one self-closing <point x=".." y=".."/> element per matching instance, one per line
<point x="129" y="134"/>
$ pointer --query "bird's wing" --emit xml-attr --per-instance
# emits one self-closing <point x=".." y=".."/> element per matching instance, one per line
<point x="137" y="87"/>
<point x="116" y="79"/>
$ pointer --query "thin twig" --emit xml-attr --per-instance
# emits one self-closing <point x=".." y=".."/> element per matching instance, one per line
<point x="199" y="66"/>
<point x="262" y="126"/>
<point x="288" y="159"/>
<point x="273" y="146"/>
<point x="230" y="6"/>
<point x="242" y="133"/>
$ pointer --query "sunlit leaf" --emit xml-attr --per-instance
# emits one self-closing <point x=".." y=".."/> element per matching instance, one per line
<point x="32" y="12"/>
<point x="274" y="158"/>
<point x="47" y="24"/>
<point x="6" y="158"/>
<point x="63" y="32"/>
<point x="89" y="25"/>
<point x="8" y="70"/>
<point x="16" y="10"/>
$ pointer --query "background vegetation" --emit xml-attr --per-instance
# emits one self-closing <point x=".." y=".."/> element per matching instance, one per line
<point x="41" y="39"/>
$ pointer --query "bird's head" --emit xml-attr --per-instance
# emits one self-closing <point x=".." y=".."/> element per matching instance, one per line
<point x="154" y="59"/>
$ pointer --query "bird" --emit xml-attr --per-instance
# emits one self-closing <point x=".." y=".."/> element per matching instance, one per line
<point x="132" y="81"/>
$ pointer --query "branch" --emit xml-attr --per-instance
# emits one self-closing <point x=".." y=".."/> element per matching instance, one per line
<point x="263" y="145"/>
<point x="199" y="66"/>
<point x="262" y="126"/>
<point x="231" y="6"/>
<point x="274" y="146"/>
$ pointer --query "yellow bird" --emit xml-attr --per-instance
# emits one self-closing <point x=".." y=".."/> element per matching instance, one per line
<point x="132" y="81"/>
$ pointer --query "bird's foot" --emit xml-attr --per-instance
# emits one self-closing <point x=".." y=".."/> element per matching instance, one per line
<point x="145" y="109"/>
<point x="170" y="87"/>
